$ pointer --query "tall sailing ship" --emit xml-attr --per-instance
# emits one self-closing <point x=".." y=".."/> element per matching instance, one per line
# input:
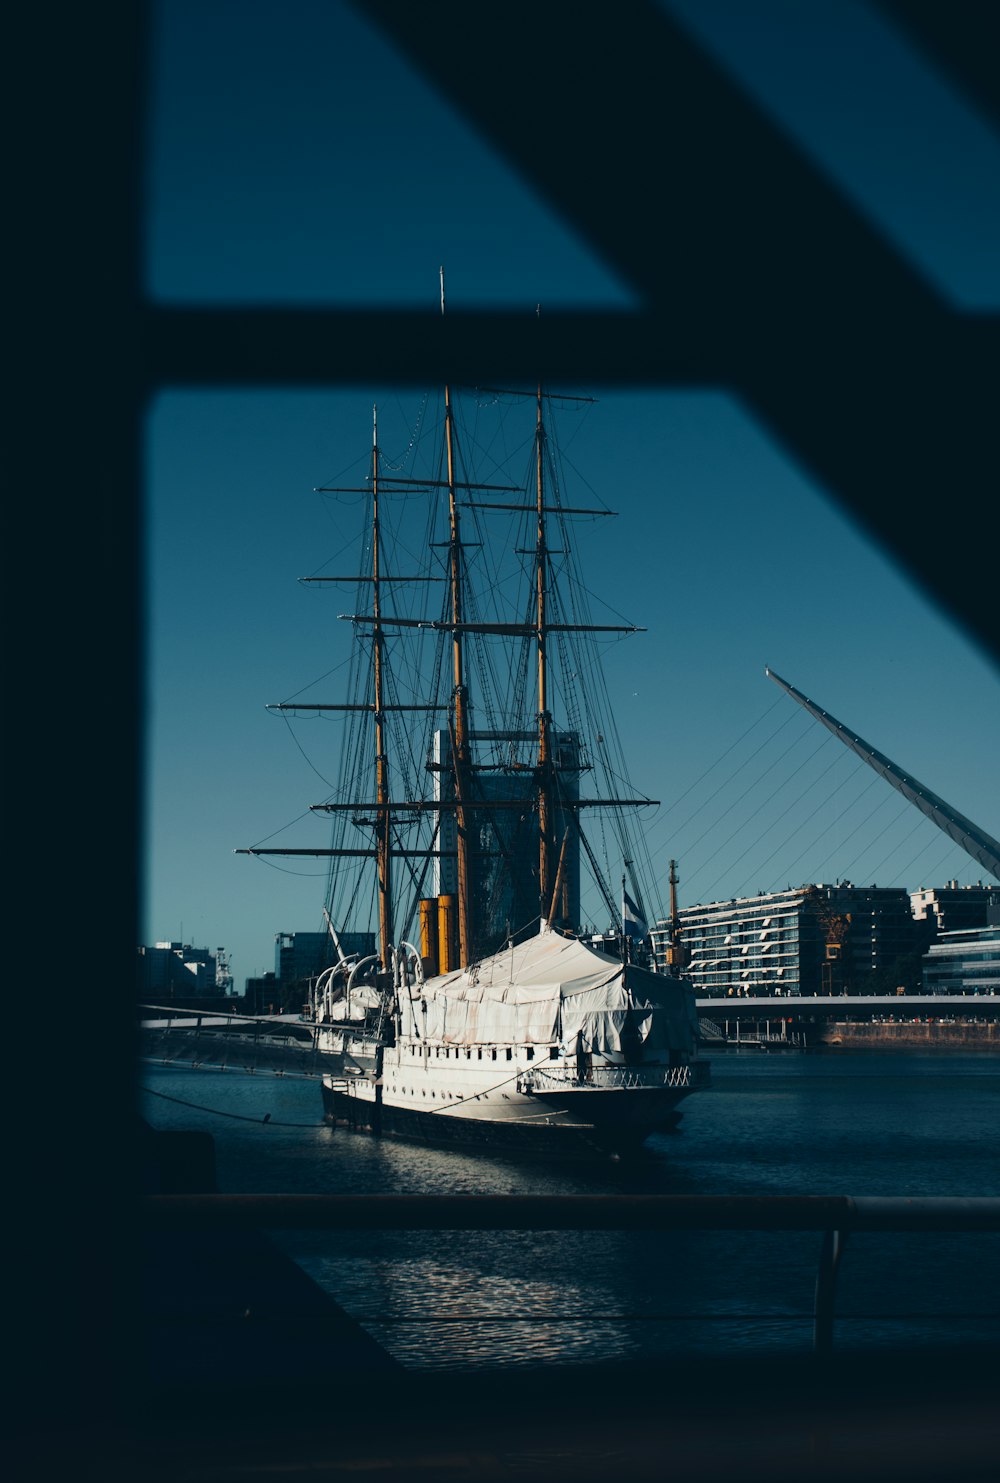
<point x="474" y="1009"/>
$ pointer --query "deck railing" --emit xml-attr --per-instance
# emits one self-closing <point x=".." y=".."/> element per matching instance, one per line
<point x="836" y="1217"/>
<point x="607" y="1077"/>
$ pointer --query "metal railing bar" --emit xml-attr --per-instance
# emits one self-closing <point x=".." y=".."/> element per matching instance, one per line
<point x="432" y="1320"/>
<point x="836" y="1216"/>
<point x="389" y="1321"/>
<point x="829" y="1213"/>
<point x="831" y="1251"/>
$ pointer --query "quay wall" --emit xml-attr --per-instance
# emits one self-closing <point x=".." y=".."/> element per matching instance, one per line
<point x="925" y="1034"/>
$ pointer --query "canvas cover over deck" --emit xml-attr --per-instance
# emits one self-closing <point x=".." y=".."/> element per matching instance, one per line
<point x="556" y="990"/>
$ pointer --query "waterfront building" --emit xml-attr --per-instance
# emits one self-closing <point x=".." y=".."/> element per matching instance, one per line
<point x="176" y="970"/>
<point x="951" y="907"/>
<point x="260" y="994"/>
<point x="816" y="939"/>
<point x="966" y="961"/>
<point x="302" y="955"/>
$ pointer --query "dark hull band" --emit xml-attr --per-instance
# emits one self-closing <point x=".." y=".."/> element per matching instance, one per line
<point x="615" y="1135"/>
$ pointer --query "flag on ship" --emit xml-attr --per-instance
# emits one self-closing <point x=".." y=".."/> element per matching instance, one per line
<point x="632" y="921"/>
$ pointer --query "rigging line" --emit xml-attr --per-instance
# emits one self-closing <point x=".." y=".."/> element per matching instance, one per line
<point x="598" y="876"/>
<point x="266" y="1121"/>
<point x="362" y="462"/>
<point x="307" y="759"/>
<point x="406" y="861"/>
<point x="346" y="916"/>
<point x="319" y="678"/>
<point x="414" y="434"/>
<point x="274" y="834"/>
<point x="563" y="458"/>
<point x="419" y="884"/>
<point x="812" y="845"/>
<point x="783" y="784"/>
<point x="602" y="602"/>
<point x="310" y="875"/>
<point x="627" y="782"/>
<point x="341" y="552"/>
<point x="475" y="1096"/>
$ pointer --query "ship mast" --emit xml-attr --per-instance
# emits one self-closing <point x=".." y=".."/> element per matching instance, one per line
<point x="544" y="738"/>
<point x="383" y="817"/>
<point x="465" y="804"/>
<point x="460" y="707"/>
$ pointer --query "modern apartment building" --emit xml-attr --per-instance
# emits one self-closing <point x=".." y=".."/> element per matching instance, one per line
<point x="818" y="939"/>
<point x="302" y="955"/>
<point x="170" y="970"/>
<point x="966" y="961"/>
<point x="953" y="907"/>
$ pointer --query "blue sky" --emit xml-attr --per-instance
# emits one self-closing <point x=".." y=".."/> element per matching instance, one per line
<point x="294" y="157"/>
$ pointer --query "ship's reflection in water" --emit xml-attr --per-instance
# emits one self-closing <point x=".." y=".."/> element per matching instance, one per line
<point x="859" y="1124"/>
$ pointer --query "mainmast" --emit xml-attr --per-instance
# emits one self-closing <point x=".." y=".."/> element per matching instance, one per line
<point x="544" y="719"/>
<point x="551" y="878"/>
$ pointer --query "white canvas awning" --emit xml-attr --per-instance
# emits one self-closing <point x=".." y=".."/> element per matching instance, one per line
<point x="556" y="989"/>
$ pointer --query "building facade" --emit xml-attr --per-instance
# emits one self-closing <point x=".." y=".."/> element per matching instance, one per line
<point x="818" y="939"/>
<point x="302" y="955"/>
<point x="176" y="970"/>
<point x="952" y="907"/>
<point x="966" y="961"/>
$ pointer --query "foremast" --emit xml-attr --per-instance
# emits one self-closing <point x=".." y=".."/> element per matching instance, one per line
<point x="379" y="706"/>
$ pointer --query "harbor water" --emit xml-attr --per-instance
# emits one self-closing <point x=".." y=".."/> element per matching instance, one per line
<point x="791" y="1123"/>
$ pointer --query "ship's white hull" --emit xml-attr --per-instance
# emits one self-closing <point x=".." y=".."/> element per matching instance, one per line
<point x="527" y="1107"/>
<point x="346" y="1050"/>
